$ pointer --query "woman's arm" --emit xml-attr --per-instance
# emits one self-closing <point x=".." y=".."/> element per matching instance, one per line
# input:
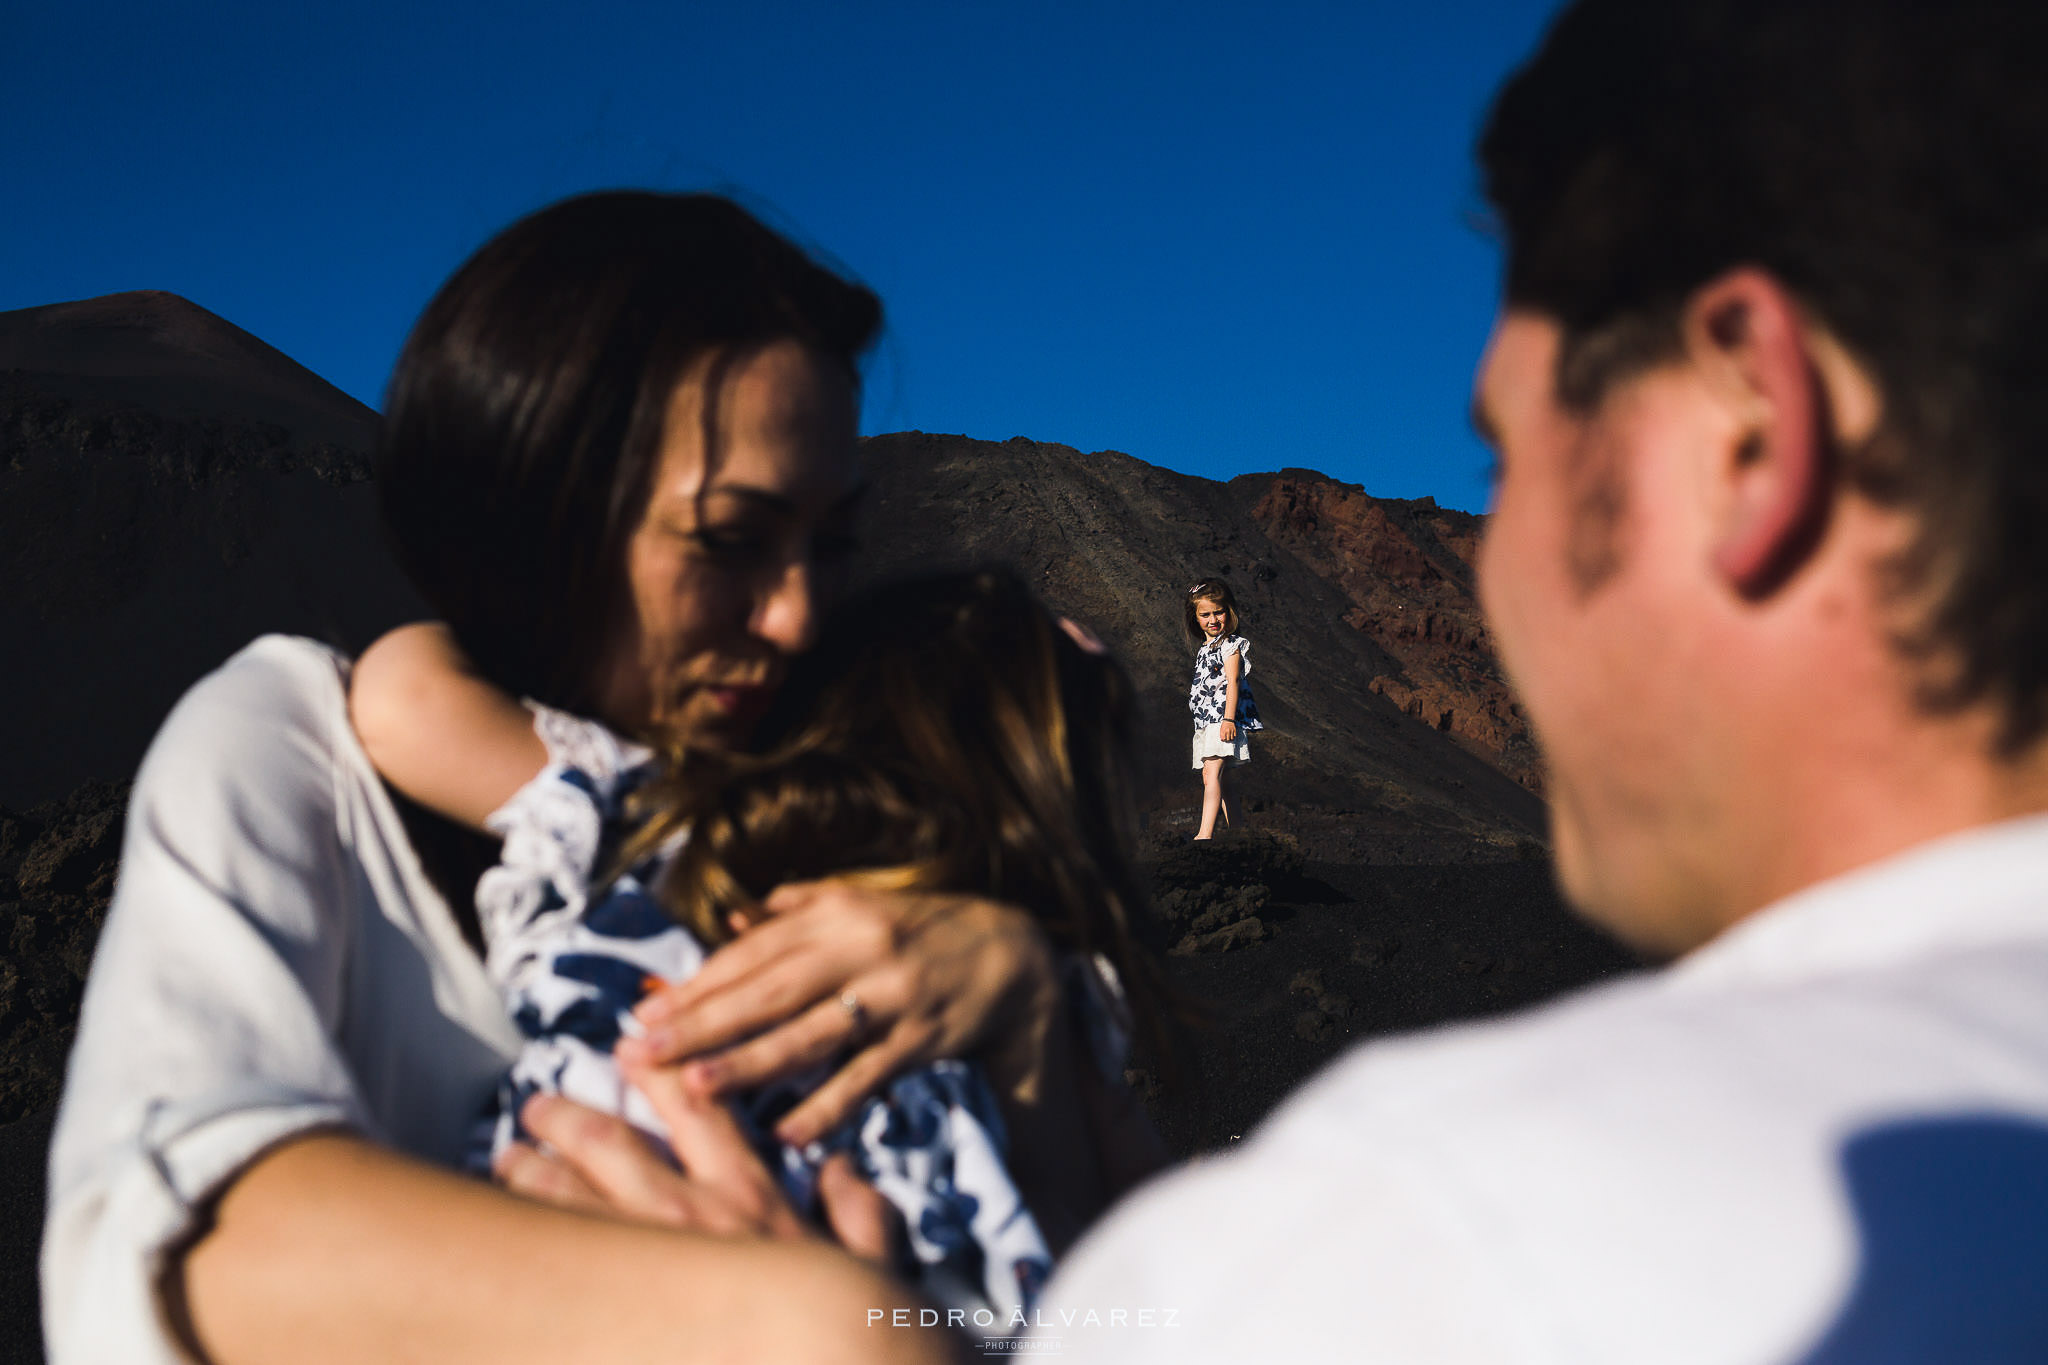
<point x="446" y="1269"/>
<point x="204" y="1183"/>
<point x="438" y="731"/>
<point x="1232" y="666"/>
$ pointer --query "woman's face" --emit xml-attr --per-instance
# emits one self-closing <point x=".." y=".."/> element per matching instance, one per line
<point x="742" y="533"/>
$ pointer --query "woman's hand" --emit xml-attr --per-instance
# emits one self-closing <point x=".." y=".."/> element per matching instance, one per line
<point x="903" y="978"/>
<point x="597" y="1163"/>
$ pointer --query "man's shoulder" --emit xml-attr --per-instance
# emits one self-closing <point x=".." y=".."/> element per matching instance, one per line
<point x="1378" y="1205"/>
<point x="1698" y="1061"/>
<point x="1599" y="1123"/>
<point x="1564" y="1183"/>
<point x="1559" y="1054"/>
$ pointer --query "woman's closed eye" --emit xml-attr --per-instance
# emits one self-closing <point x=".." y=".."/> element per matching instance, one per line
<point x="738" y="547"/>
<point x="735" y="546"/>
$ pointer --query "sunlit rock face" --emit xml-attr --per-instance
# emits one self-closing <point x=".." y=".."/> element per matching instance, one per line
<point x="1407" y="569"/>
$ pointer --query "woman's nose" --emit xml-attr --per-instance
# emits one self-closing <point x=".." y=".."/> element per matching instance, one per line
<point x="786" y="616"/>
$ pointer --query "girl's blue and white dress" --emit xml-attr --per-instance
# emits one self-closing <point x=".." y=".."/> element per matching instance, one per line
<point x="1209" y="696"/>
<point x="573" y="956"/>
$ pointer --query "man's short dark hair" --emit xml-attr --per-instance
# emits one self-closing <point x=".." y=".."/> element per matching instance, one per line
<point x="1887" y="161"/>
<point x="526" y="411"/>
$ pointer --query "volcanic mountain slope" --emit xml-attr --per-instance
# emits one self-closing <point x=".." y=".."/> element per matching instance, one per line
<point x="1358" y="720"/>
<point x="170" y="487"/>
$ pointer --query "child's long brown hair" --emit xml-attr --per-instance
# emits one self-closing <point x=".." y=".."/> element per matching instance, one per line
<point x="946" y="734"/>
<point x="1209" y="590"/>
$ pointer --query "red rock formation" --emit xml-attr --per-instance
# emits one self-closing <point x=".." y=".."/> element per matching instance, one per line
<point x="1408" y="569"/>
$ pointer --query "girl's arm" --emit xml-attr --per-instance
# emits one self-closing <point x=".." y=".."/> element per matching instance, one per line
<point x="1232" y="666"/>
<point x="436" y="730"/>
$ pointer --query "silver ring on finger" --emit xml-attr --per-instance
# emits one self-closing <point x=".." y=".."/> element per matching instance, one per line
<point x="856" y="1013"/>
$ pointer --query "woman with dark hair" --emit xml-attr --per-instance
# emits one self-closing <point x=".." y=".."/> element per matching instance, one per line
<point x="618" y="453"/>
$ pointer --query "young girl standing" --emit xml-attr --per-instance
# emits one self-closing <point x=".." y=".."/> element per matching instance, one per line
<point x="1220" y="699"/>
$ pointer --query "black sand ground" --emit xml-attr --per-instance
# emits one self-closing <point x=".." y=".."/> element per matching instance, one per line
<point x="1353" y="952"/>
<point x="22" y="1148"/>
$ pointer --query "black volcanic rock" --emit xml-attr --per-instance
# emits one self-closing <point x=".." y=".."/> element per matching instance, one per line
<point x="57" y="866"/>
<point x="1207" y="896"/>
<point x="170" y="488"/>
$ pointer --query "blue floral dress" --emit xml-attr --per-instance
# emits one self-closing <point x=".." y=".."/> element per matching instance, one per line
<point x="1209" y="696"/>
<point x="1210" y="691"/>
<point x="572" y="959"/>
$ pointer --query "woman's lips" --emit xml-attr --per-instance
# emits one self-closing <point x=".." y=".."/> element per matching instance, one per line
<point x="741" y="702"/>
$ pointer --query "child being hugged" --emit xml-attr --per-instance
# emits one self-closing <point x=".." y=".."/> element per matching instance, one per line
<point x="1220" y="698"/>
<point x="946" y="734"/>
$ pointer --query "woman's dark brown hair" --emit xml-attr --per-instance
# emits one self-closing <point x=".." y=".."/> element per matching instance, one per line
<point x="946" y="734"/>
<point x="1209" y="590"/>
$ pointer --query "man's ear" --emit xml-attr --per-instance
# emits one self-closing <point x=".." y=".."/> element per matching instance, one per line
<point x="1745" y="334"/>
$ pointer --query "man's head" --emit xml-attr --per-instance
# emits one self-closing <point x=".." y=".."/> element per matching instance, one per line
<point x="1766" y="387"/>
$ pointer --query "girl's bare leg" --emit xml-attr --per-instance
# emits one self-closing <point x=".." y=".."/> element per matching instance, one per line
<point x="1212" y="796"/>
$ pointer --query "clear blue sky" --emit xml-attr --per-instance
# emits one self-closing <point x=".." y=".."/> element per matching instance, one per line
<point x="1220" y="238"/>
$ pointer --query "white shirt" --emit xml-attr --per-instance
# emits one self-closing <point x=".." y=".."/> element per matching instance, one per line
<point x="1823" y="1136"/>
<point x="275" y="960"/>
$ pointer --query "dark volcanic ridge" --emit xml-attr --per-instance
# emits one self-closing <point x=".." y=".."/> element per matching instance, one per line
<point x="153" y="351"/>
<point x="170" y="488"/>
